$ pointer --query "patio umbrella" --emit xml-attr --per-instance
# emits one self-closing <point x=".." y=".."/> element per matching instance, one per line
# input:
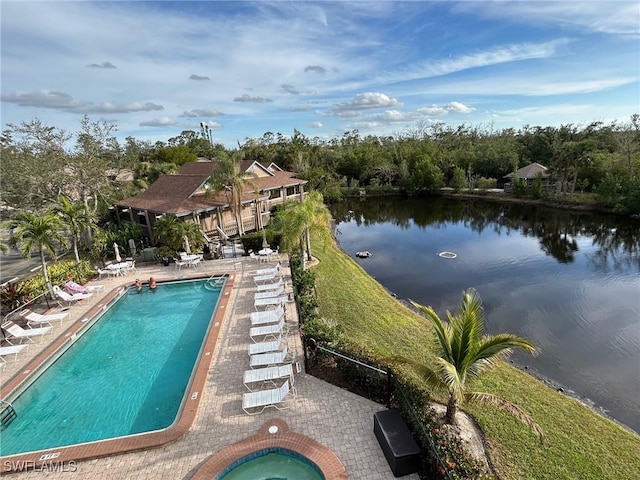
<point x="117" y="252"/>
<point x="265" y="244"/>
<point x="187" y="247"/>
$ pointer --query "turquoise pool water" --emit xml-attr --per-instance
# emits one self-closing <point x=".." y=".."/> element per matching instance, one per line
<point x="279" y="464"/>
<point x="127" y="374"/>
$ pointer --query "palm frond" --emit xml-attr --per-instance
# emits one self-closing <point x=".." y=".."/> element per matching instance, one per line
<point x="501" y="344"/>
<point x="513" y="409"/>
<point x="443" y="333"/>
<point x="451" y="377"/>
<point x="432" y="377"/>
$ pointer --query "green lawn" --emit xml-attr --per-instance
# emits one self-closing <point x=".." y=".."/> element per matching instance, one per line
<point x="581" y="444"/>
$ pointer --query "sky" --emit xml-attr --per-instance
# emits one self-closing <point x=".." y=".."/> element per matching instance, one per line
<point x="323" y="68"/>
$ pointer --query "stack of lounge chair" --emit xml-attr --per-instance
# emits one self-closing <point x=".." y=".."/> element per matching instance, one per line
<point x="270" y="380"/>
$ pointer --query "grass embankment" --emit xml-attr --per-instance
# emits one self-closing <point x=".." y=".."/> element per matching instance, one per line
<point x="581" y="444"/>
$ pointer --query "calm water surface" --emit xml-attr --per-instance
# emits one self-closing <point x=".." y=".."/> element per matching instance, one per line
<point x="569" y="282"/>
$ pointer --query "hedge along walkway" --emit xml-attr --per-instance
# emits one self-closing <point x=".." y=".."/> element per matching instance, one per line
<point x="581" y="444"/>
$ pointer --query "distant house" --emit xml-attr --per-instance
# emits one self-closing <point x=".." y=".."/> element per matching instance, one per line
<point x="529" y="172"/>
<point x="183" y="196"/>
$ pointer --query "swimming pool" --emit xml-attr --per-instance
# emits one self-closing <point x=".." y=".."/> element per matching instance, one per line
<point x="127" y="374"/>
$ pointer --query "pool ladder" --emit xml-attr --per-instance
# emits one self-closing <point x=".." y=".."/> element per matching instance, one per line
<point x="215" y="281"/>
<point x="7" y="415"/>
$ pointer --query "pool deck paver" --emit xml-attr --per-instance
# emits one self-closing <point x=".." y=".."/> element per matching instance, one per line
<point x="336" y="418"/>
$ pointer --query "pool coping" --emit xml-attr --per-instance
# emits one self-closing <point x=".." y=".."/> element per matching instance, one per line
<point x="119" y="445"/>
<point x="268" y="437"/>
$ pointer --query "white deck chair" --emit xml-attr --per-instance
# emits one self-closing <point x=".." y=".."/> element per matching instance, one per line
<point x="268" y="271"/>
<point x="107" y="272"/>
<point x="271" y="286"/>
<point x="270" y="359"/>
<point x="274" y="397"/>
<point x="269" y="293"/>
<point x="130" y="267"/>
<point x="11" y="350"/>
<point x="264" y="347"/>
<point x="267" y="375"/>
<point x="67" y="297"/>
<point x="269" y="302"/>
<point x="269" y="316"/>
<point x="268" y="331"/>
<point x="265" y="278"/>
<point x="15" y="332"/>
<point x="39" y="319"/>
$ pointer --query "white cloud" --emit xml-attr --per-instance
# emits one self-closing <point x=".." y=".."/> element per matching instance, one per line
<point x="102" y="65"/>
<point x="245" y="98"/>
<point x="544" y="85"/>
<point x="315" y="69"/>
<point x="211" y="124"/>
<point x="44" y="99"/>
<point x="201" y="112"/>
<point x="158" y="122"/>
<point x="316" y="125"/>
<point x="108" y="107"/>
<point x="64" y="102"/>
<point x="198" y="77"/>
<point x="364" y="101"/>
<point x="616" y="17"/>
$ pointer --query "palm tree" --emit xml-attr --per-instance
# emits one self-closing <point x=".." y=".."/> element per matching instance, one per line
<point x="228" y="178"/>
<point x="299" y="219"/>
<point x="171" y="230"/>
<point x="464" y="352"/>
<point x="37" y="231"/>
<point x="77" y="219"/>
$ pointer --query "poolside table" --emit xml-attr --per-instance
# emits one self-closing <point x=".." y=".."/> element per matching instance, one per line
<point x="265" y="254"/>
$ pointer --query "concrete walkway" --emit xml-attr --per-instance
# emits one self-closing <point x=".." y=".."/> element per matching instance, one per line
<point x="336" y="418"/>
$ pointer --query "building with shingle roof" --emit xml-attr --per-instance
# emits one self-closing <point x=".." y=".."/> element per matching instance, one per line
<point x="529" y="172"/>
<point x="185" y="195"/>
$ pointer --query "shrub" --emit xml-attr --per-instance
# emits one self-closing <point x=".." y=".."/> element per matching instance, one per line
<point x="486" y="183"/>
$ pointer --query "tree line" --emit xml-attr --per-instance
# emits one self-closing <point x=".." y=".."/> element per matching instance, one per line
<point x="41" y="162"/>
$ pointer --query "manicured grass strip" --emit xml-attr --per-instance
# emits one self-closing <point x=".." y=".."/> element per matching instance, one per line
<point x="581" y="444"/>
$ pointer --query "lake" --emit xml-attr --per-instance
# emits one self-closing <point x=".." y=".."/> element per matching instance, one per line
<point x="567" y="281"/>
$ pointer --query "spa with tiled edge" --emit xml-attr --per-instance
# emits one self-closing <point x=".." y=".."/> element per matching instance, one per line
<point x="274" y="436"/>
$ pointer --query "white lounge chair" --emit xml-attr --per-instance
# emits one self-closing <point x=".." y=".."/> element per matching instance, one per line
<point x="269" y="302"/>
<point x="264" y="347"/>
<point x="268" y="316"/>
<point x="73" y="288"/>
<point x="67" y="297"/>
<point x="271" y="286"/>
<point x="39" y="319"/>
<point x="269" y="293"/>
<point x="265" y="278"/>
<point x="270" y="358"/>
<point x="107" y="272"/>
<point x="274" y="397"/>
<point x="11" y="350"/>
<point x="15" y="332"/>
<point x="268" y="271"/>
<point x="130" y="266"/>
<point x="268" y="331"/>
<point x="267" y="374"/>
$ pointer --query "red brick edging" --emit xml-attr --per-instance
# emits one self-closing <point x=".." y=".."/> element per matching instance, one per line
<point x="275" y="433"/>
<point x="119" y="445"/>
